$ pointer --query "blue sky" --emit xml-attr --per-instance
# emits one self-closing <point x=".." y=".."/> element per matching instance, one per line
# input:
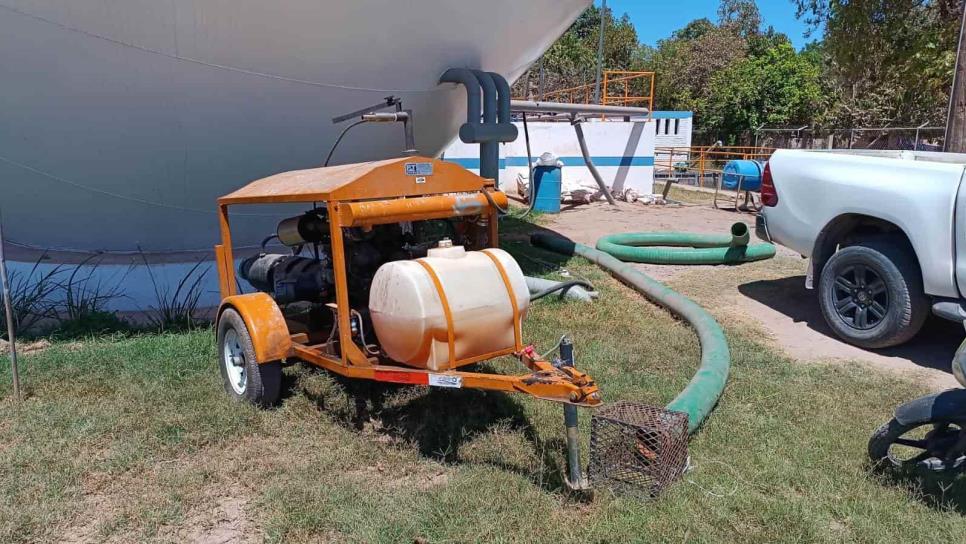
<point x="657" y="19"/>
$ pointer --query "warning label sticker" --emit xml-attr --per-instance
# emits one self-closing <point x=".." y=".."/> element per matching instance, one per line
<point x="419" y="169"/>
<point x="443" y="380"/>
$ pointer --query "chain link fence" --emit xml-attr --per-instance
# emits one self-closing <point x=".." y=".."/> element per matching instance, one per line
<point x="918" y="138"/>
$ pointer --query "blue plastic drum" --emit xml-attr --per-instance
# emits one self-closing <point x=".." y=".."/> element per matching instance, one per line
<point x="748" y="172"/>
<point x="546" y="188"/>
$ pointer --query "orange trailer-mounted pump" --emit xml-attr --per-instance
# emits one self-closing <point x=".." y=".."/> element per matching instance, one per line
<point x="392" y="274"/>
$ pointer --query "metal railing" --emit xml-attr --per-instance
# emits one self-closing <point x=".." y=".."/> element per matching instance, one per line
<point x="620" y="88"/>
<point x="702" y="164"/>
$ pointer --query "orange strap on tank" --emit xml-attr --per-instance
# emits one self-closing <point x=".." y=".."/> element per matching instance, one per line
<point x="517" y="340"/>
<point x="450" y="331"/>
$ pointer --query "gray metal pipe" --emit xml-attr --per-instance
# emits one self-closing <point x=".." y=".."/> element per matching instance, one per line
<point x="489" y="95"/>
<point x="590" y="163"/>
<point x="503" y="97"/>
<point x="489" y="150"/>
<point x="530" y="106"/>
<point x="466" y="78"/>
<point x="491" y="92"/>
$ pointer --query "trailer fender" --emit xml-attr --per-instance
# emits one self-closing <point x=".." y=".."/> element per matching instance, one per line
<point x="265" y="322"/>
<point x="943" y="406"/>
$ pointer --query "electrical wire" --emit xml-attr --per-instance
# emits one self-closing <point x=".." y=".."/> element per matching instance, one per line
<point x="268" y="239"/>
<point x="563" y="287"/>
<point x="506" y="211"/>
<point x="526" y="138"/>
<point x="339" y="140"/>
<point x="544" y="355"/>
<point x="370" y="348"/>
<point x="718" y="494"/>
<point x="489" y="198"/>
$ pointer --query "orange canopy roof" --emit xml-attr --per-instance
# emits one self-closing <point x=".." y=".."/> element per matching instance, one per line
<point x="406" y="176"/>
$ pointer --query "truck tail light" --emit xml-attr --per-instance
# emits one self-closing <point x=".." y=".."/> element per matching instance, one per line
<point x="769" y="196"/>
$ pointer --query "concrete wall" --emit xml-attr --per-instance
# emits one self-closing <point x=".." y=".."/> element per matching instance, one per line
<point x="623" y="152"/>
<point x="672" y="128"/>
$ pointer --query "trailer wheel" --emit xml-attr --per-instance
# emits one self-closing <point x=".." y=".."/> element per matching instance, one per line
<point x="245" y="379"/>
<point x="871" y="293"/>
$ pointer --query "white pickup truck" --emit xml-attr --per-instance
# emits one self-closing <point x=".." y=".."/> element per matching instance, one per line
<point x="884" y="231"/>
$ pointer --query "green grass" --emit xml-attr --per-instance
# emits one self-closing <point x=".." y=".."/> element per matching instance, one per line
<point x="133" y="439"/>
<point x="689" y="195"/>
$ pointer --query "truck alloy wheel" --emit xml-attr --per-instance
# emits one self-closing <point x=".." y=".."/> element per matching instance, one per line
<point x="860" y="297"/>
<point x="871" y="293"/>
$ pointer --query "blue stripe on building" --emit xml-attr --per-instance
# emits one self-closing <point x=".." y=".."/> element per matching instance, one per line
<point x="567" y="161"/>
<point x="472" y="163"/>
<point x="672" y="114"/>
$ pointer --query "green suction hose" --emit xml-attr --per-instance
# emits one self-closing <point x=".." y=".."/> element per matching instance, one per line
<point x="702" y="392"/>
<point x="685" y="248"/>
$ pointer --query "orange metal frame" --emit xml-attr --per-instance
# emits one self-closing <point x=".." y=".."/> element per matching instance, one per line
<point x="545" y="381"/>
<point x="619" y="88"/>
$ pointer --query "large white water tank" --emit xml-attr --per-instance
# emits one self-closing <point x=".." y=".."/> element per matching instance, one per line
<point x="409" y="317"/>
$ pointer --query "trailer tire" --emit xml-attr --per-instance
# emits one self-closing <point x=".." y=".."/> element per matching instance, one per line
<point x="871" y="293"/>
<point x="243" y="377"/>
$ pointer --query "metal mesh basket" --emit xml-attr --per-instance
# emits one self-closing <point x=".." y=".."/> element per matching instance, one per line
<point x="636" y="448"/>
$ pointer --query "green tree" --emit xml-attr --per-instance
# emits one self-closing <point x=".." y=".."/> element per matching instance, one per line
<point x="780" y="87"/>
<point x="741" y="16"/>
<point x="572" y="60"/>
<point x="890" y="60"/>
<point x="685" y="63"/>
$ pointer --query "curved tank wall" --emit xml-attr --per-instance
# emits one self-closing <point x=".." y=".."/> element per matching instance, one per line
<point x="122" y="122"/>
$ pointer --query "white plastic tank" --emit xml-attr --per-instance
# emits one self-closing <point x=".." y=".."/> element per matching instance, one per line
<point x="410" y="320"/>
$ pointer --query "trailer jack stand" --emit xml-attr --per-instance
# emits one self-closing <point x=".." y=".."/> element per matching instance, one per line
<point x="575" y="479"/>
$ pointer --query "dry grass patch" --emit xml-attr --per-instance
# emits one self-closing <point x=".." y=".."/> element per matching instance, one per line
<point x="134" y="440"/>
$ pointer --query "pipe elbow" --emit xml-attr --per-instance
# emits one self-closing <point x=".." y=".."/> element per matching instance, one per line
<point x="468" y="79"/>
<point x="740" y="236"/>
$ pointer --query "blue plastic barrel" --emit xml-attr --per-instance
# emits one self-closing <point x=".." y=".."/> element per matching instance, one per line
<point x="546" y="188"/>
<point x="747" y="171"/>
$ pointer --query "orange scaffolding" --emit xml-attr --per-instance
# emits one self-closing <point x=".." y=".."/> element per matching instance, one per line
<point x="618" y="88"/>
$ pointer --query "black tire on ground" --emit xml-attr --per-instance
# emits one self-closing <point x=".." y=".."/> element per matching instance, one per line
<point x="883" y="438"/>
<point x="262" y="381"/>
<point x="906" y="307"/>
<point x="887" y="435"/>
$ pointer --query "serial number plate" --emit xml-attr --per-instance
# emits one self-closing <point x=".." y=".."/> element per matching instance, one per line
<point x="442" y="380"/>
<point x="419" y="169"/>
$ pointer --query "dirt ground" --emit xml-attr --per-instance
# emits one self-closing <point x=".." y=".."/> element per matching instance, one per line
<point x="773" y="293"/>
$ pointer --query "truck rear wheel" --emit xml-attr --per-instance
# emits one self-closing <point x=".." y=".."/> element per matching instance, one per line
<point x="244" y="378"/>
<point x="871" y="293"/>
